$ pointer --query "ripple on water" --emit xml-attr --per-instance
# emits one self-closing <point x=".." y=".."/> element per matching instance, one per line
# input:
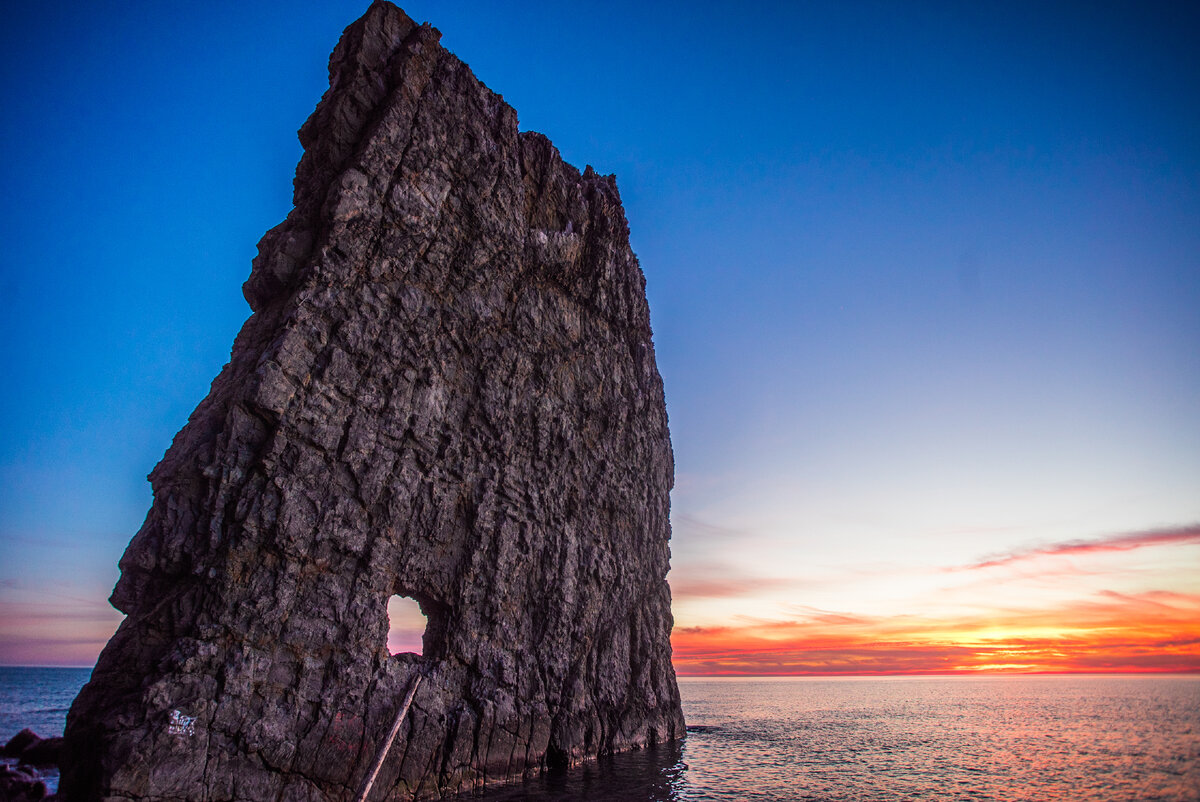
<point x="993" y="738"/>
<point x="987" y="738"/>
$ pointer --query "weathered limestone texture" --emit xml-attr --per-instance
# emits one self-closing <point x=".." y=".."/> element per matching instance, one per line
<point x="447" y="390"/>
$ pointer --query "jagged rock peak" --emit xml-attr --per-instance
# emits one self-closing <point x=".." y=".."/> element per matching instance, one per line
<point x="447" y="391"/>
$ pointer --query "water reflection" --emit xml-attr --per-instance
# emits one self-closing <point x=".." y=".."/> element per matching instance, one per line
<point x="655" y="774"/>
<point x="1003" y="739"/>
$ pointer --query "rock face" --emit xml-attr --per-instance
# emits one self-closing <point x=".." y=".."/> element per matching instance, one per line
<point x="446" y="390"/>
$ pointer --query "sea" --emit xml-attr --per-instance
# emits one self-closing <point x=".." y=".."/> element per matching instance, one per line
<point x="1009" y="738"/>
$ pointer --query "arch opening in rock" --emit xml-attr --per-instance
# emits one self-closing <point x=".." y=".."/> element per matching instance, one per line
<point x="406" y="626"/>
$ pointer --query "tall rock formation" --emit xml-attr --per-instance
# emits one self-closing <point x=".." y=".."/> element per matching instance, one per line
<point x="446" y="390"/>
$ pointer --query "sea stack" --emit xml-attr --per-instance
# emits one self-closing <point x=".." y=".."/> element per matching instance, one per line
<point x="447" y="391"/>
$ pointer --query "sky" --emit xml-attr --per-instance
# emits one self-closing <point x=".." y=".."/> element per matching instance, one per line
<point x="924" y="280"/>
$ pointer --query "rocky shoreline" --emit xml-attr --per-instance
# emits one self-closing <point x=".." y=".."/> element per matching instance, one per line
<point x="33" y="774"/>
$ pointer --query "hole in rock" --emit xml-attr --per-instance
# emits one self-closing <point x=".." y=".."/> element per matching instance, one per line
<point x="406" y="625"/>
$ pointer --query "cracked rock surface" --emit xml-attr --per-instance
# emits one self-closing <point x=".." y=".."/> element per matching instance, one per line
<point x="446" y="390"/>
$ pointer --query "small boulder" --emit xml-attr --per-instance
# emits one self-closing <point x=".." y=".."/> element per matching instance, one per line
<point x="19" y="743"/>
<point x="19" y="785"/>
<point x="43" y="752"/>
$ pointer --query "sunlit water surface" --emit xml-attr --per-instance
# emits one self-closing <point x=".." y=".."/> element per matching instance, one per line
<point x="989" y="738"/>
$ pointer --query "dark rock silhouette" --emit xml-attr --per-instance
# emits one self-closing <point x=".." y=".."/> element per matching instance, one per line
<point x="31" y="749"/>
<point x="24" y="782"/>
<point x="19" y="743"/>
<point x="45" y="752"/>
<point x="22" y="785"/>
<point x="446" y="390"/>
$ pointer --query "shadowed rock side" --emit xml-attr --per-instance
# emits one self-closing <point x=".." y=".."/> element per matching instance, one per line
<point x="447" y="390"/>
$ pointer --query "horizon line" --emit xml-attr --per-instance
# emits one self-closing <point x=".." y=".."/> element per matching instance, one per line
<point x="845" y="674"/>
<point x="949" y="673"/>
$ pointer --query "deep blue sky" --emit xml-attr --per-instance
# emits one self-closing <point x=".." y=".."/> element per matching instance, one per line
<point x="917" y="271"/>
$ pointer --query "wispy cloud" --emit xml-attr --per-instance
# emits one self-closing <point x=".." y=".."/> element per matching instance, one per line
<point x="55" y="631"/>
<point x="701" y="587"/>
<point x="64" y="651"/>
<point x="692" y="527"/>
<point x="701" y="580"/>
<point x="1125" y="541"/>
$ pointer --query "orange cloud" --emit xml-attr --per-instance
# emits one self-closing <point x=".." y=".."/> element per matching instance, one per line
<point x="1111" y="632"/>
<point x="1119" y="542"/>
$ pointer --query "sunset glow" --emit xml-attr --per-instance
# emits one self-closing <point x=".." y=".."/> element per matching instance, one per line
<point x="1121" y="638"/>
<point x="1002" y="626"/>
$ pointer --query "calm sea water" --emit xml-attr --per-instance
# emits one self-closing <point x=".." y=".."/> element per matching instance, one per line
<point x="989" y="738"/>
<point x="37" y="698"/>
<point x="992" y="738"/>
